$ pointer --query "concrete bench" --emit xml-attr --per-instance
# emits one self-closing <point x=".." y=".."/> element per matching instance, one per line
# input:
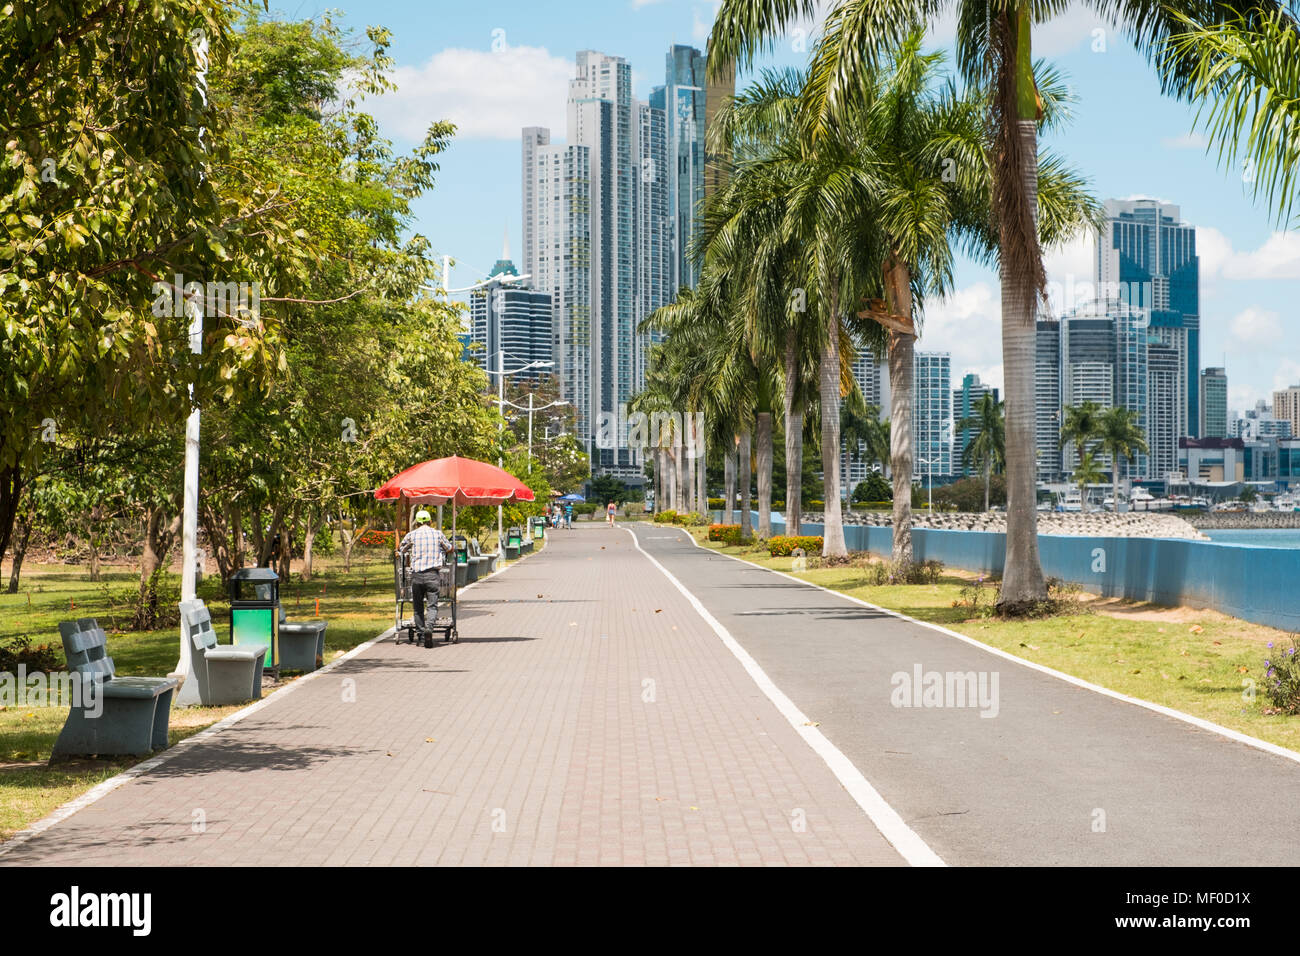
<point x="115" y="715"/>
<point x="219" y="675"/>
<point x="302" y="644"/>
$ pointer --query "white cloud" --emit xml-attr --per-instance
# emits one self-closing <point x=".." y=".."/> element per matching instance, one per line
<point x="1186" y="141"/>
<point x="702" y="16"/>
<point x="1255" y="326"/>
<point x="488" y="95"/>
<point x="967" y="323"/>
<point x="1287" y="374"/>
<point x="1277" y="258"/>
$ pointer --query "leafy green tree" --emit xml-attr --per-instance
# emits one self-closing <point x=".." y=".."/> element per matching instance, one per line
<point x="1081" y="428"/>
<point x="1087" y="472"/>
<point x="875" y="488"/>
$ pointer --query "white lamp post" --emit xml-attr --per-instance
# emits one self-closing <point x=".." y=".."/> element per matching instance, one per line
<point x="501" y="409"/>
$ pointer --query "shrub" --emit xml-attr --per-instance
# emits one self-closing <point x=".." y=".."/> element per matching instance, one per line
<point x="816" y="504"/>
<point x="666" y="517"/>
<point x="915" y="573"/>
<point x="978" y="598"/>
<point x="584" y="508"/>
<point x="692" y="519"/>
<point x="717" y="504"/>
<point x="716" y="531"/>
<point x="377" y="539"/>
<point x="1282" y="678"/>
<point x="34" y="657"/>
<point x="783" y="545"/>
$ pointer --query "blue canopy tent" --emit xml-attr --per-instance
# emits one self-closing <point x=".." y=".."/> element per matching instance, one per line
<point x="572" y="497"/>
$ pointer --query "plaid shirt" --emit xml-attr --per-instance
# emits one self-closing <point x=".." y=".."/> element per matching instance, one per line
<point x="426" y="545"/>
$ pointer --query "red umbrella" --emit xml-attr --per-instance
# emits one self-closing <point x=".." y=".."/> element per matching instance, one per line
<point x="460" y="481"/>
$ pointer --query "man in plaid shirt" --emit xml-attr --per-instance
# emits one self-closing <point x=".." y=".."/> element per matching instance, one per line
<point x="426" y="545"/>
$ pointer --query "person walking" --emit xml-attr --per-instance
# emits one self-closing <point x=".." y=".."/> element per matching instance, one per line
<point x="609" y="513"/>
<point x="568" y="515"/>
<point x="428" y="548"/>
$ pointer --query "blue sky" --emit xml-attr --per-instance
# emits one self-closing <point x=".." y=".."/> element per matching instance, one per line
<point x="495" y="67"/>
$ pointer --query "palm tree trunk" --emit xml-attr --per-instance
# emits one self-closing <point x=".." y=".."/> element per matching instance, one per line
<point x="729" y="486"/>
<point x="793" y="438"/>
<point x="986" y="487"/>
<point x="701" y="465"/>
<point x="832" y="520"/>
<point x="746" y="476"/>
<point x="688" y="464"/>
<point x="1015" y="198"/>
<point x="765" y="474"/>
<point x="902" y="373"/>
<point x="679" y="474"/>
<point x="1114" y="474"/>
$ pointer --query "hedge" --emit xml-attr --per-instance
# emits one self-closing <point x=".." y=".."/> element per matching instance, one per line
<point x="783" y="545"/>
<point x="727" y="534"/>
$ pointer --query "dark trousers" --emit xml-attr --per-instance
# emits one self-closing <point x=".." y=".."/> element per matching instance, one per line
<point x="423" y="584"/>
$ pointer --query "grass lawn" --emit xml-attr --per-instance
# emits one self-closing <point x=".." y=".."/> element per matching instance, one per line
<point x="1194" y="661"/>
<point x="358" y="605"/>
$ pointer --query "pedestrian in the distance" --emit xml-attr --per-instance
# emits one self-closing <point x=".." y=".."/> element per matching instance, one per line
<point x="609" y="512"/>
<point x="568" y="516"/>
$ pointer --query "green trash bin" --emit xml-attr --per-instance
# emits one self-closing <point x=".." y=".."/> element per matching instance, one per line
<point x="462" y="561"/>
<point x="255" y="611"/>
<point x="514" y="540"/>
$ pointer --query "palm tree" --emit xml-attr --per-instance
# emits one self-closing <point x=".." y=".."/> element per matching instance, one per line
<point x="1086" y="473"/>
<point x="1121" y="438"/>
<point x="987" y="448"/>
<point x="1247" y="82"/>
<point x="1082" y="429"/>
<point x="994" y="52"/>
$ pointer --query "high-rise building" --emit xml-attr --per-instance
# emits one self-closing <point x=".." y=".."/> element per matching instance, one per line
<point x="511" y="324"/>
<point x="1214" y="403"/>
<point x="563" y="268"/>
<point x="1047" y="399"/>
<point x="965" y="403"/>
<point x="1286" y="407"/>
<point x="1258" y="423"/>
<point x="872" y="375"/>
<point x="1088" y="365"/>
<point x="1165" y="424"/>
<point x="1146" y="259"/>
<point x="598" y="225"/>
<point x="685" y="95"/>
<point x="932" y="415"/>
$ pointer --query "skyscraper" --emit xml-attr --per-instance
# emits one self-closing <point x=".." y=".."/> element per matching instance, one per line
<point x="872" y="375"/>
<point x="965" y="403"/>
<point x="1146" y="259"/>
<point x="1214" y="403"/>
<point x="932" y="414"/>
<point x="1286" y="407"/>
<point x="1047" y="399"/>
<point x="598" y="225"/>
<point x="685" y="90"/>
<point x="513" y="320"/>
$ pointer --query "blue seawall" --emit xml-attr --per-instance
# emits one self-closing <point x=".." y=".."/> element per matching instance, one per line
<point x="1261" y="585"/>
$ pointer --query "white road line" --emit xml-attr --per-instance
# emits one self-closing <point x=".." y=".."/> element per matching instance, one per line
<point x="102" y="790"/>
<point x="1213" y="728"/>
<point x="885" y="818"/>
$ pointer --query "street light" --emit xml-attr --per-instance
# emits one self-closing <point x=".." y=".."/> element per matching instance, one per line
<point x="501" y="410"/>
<point x="531" y="409"/>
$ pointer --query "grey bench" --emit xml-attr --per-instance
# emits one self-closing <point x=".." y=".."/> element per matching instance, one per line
<point x="219" y="674"/>
<point x="302" y="644"/>
<point x="115" y="715"/>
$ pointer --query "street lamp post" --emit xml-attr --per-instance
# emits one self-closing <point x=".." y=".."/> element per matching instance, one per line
<point x="501" y="410"/>
<point x="531" y="409"/>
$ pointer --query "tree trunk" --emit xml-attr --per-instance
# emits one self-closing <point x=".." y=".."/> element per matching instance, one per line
<point x="11" y="493"/>
<point x="286" y="552"/>
<point x="688" y="458"/>
<point x="701" y="466"/>
<point x="1021" y="271"/>
<point x="902" y="372"/>
<point x="832" y="520"/>
<point x="311" y="526"/>
<point x="679" y="474"/>
<point x="765" y="474"/>
<point x="746" y="477"/>
<point x="1114" y="471"/>
<point x="729" y="486"/>
<point x="986" y="487"/>
<point x="21" y="537"/>
<point x="793" y="437"/>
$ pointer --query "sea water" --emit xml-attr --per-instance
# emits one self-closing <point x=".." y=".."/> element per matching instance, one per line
<point x="1256" y="537"/>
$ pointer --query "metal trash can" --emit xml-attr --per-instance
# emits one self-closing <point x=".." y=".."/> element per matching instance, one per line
<point x="513" y="541"/>
<point x="255" y="611"/>
<point x="539" y="528"/>
<point x="462" y="561"/>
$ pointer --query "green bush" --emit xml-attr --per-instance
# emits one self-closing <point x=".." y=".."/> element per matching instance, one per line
<point x="717" y="504"/>
<point x="692" y="519"/>
<point x="927" y="573"/>
<point x="783" y="545"/>
<point x="584" y="508"/>
<point x="816" y="504"/>
<point x="35" y="658"/>
<point x="1282" y="678"/>
<point x="666" y="517"/>
<point x="716" y="531"/>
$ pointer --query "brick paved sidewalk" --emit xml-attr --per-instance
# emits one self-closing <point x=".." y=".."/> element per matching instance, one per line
<point x="587" y="716"/>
